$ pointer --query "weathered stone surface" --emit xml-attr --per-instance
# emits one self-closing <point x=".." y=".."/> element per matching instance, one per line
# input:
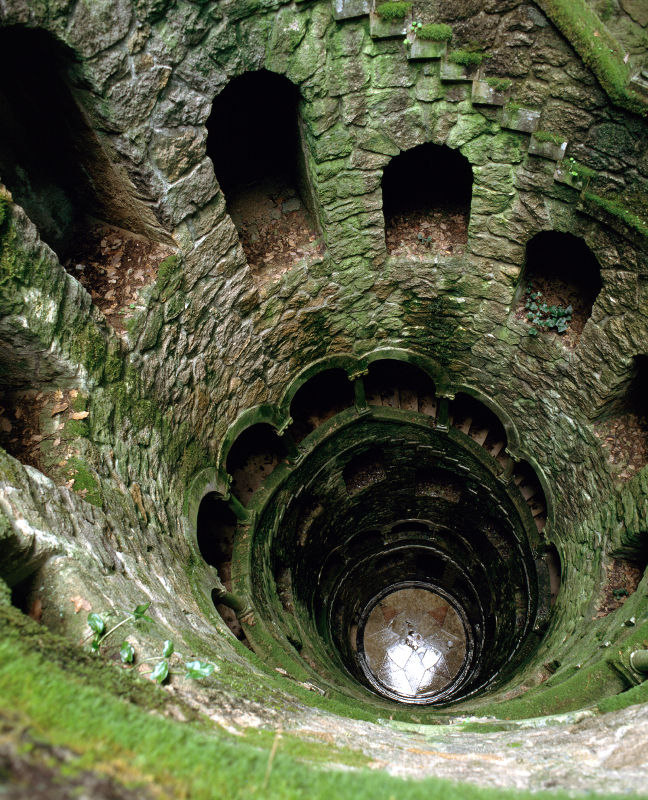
<point x="98" y="24"/>
<point x="176" y="151"/>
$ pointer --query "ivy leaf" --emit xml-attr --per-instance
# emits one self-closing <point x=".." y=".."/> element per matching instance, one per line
<point x="168" y="648"/>
<point x="569" y="309"/>
<point x="533" y="332"/>
<point x="96" y="623"/>
<point x="198" y="669"/>
<point x="160" y="672"/>
<point x="127" y="653"/>
<point x="139" y="614"/>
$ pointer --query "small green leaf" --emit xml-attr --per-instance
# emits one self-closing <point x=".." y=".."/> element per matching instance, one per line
<point x="94" y="646"/>
<point x="533" y="332"/>
<point x="160" y="672"/>
<point x="96" y="623"/>
<point x="140" y="610"/>
<point x="569" y="310"/>
<point x="127" y="653"/>
<point x="168" y="648"/>
<point x="420" y="236"/>
<point x="198" y="669"/>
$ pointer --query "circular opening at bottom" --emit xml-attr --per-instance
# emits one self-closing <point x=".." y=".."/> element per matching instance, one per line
<point x="413" y="643"/>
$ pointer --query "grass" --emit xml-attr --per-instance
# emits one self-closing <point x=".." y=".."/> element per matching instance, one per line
<point x="600" y="52"/>
<point x="467" y="58"/>
<point x="545" y="136"/>
<point x="499" y="84"/>
<point x="617" y="209"/>
<point x="434" y="33"/>
<point x="393" y="11"/>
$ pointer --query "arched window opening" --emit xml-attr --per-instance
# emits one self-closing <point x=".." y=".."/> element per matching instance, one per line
<point x="57" y="170"/>
<point x="254" y="143"/>
<point x="475" y="419"/>
<point x="216" y="529"/>
<point x="427" y="193"/>
<point x="529" y="486"/>
<point x="319" y="399"/>
<point x="400" y="385"/>
<point x="561" y="281"/>
<point x="622" y="421"/>
<point x="252" y="457"/>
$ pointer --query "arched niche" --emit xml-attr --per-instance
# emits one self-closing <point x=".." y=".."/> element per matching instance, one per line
<point x="564" y="270"/>
<point x="427" y="192"/>
<point x="254" y="142"/>
<point x="323" y="396"/>
<point x="252" y="457"/>
<point x="400" y="384"/>
<point x="50" y="158"/>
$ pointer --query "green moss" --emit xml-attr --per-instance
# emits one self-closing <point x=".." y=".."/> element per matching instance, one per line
<point x="545" y="136"/>
<point x="166" y="269"/>
<point x="499" y="84"/>
<point x="483" y="727"/>
<point x="598" y="49"/>
<point x="434" y="33"/>
<point x="84" y="480"/>
<point x="467" y="58"/>
<point x="393" y="11"/>
<point x="617" y="209"/>
<point x="579" y="171"/>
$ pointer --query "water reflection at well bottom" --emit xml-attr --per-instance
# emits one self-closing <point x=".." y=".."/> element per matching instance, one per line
<point x="414" y="642"/>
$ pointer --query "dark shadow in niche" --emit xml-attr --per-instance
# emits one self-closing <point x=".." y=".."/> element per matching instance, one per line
<point x="216" y="529"/>
<point x="435" y="482"/>
<point x="427" y="192"/>
<point x="254" y="143"/>
<point x="319" y="399"/>
<point x="400" y="385"/>
<point x="50" y="158"/>
<point x="364" y="470"/>
<point x="622" y="421"/>
<point x="563" y="268"/>
<point x="252" y="457"/>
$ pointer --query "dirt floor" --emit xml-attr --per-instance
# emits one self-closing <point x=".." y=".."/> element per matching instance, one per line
<point x="626" y="438"/>
<point x="275" y="229"/>
<point x="114" y="265"/>
<point x="436" y="231"/>
<point x="557" y="292"/>
<point x="622" y="580"/>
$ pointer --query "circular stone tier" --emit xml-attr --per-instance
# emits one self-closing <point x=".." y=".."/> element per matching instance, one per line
<point x="394" y="562"/>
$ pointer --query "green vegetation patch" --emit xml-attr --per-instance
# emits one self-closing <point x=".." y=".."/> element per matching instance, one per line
<point x="499" y="84"/>
<point x="84" y="482"/>
<point x="617" y="209"/>
<point x="434" y="33"/>
<point x="546" y="137"/>
<point x="467" y="58"/>
<point x="598" y="49"/>
<point x="393" y="11"/>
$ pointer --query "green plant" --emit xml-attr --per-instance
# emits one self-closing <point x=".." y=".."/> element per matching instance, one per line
<point x="394" y="11"/>
<point x="580" y="172"/>
<point x="545" y="136"/>
<point x="540" y="315"/>
<point x="425" y="240"/>
<point x="621" y="593"/>
<point x="195" y="669"/>
<point x="499" y="84"/>
<point x="434" y="33"/>
<point x="618" y="209"/>
<point x="467" y="58"/>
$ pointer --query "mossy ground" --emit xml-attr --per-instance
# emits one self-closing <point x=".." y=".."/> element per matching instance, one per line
<point x="104" y="716"/>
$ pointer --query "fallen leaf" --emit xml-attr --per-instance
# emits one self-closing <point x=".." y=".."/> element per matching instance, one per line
<point x="37" y="438"/>
<point x="80" y="603"/>
<point x="74" y="393"/>
<point x="109" y="295"/>
<point x="18" y="413"/>
<point x="57" y="409"/>
<point x="5" y="425"/>
<point x="80" y="415"/>
<point x="36" y="610"/>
